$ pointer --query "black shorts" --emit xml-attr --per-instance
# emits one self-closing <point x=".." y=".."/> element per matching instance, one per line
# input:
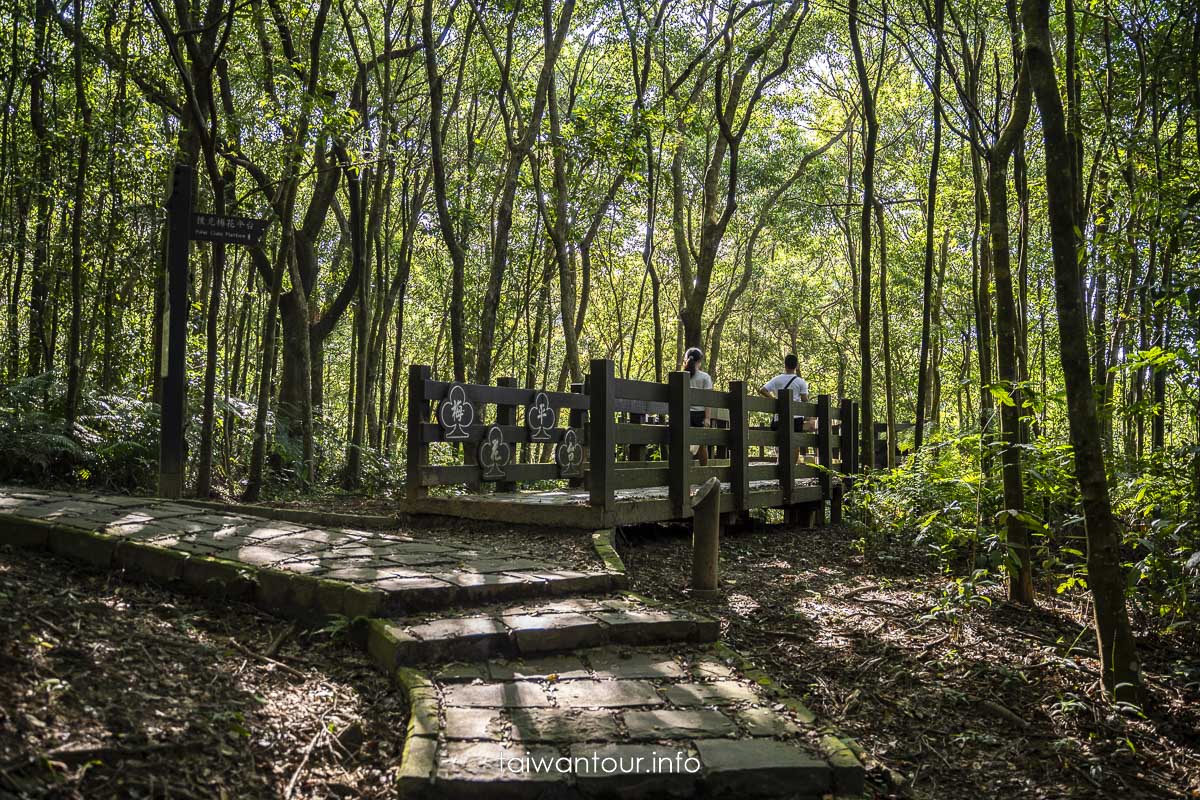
<point x="797" y="424"/>
<point x="697" y="419"/>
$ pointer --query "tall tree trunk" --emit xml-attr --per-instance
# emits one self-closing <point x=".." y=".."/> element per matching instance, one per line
<point x="870" y="140"/>
<point x="1121" y="672"/>
<point x="220" y="189"/>
<point x="1020" y="584"/>
<point x="927" y="299"/>
<point x="83" y="123"/>
<point x="889" y="393"/>
<point x="358" y="376"/>
<point x="40" y="356"/>
<point x="458" y="258"/>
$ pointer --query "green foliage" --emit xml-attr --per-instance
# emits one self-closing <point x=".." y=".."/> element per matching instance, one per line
<point x="1162" y="536"/>
<point x="113" y="446"/>
<point x="936" y="504"/>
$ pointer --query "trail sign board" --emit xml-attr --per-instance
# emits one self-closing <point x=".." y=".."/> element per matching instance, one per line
<point x="230" y="230"/>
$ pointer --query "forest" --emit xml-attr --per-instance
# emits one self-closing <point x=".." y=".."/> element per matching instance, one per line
<point x="979" y="218"/>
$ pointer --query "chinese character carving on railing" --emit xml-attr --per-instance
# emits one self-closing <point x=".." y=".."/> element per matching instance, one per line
<point x="540" y="418"/>
<point x="569" y="455"/>
<point x="494" y="454"/>
<point x="456" y="414"/>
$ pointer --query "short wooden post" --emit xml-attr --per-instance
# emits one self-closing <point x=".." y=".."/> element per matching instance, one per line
<point x="602" y="430"/>
<point x="679" y="482"/>
<point x="787" y="433"/>
<point x="506" y="414"/>
<point x="637" y="452"/>
<point x="856" y="463"/>
<point x="706" y="539"/>
<point x="578" y="419"/>
<point x="845" y="436"/>
<point x="418" y="414"/>
<point x="739" y="448"/>
<point x="824" y="446"/>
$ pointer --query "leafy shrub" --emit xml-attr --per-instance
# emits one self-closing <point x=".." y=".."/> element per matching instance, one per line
<point x="114" y="444"/>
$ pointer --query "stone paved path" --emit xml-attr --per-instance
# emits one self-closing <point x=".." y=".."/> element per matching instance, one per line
<point x="515" y="689"/>
<point x="388" y="571"/>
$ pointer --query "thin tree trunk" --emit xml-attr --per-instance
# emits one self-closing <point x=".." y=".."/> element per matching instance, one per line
<point x="885" y="329"/>
<point x="1121" y="672"/>
<point x="1020" y="584"/>
<point x="83" y="122"/>
<point x="927" y="308"/>
<point x="870" y="138"/>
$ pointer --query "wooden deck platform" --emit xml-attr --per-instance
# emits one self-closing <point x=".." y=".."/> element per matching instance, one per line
<point x="571" y="508"/>
<point x="626" y="454"/>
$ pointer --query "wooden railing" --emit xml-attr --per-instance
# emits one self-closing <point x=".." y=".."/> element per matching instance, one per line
<point x="622" y="435"/>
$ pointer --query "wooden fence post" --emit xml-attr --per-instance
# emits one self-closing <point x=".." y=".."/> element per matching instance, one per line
<point x="679" y="482"/>
<point x="787" y="433"/>
<point x="824" y="445"/>
<point x="506" y="414"/>
<point x="636" y="452"/>
<point x="739" y="447"/>
<point x="824" y="456"/>
<point x="418" y="415"/>
<point x="854" y="449"/>
<point x="845" y="436"/>
<point x="706" y="540"/>
<point x="578" y="419"/>
<point x="602" y="430"/>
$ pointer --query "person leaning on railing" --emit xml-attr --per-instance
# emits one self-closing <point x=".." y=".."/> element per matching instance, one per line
<point x="692" y="361"/>
<point x="788" y="380"/>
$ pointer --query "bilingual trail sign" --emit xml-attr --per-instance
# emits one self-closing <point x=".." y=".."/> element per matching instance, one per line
<point x="228" y="230"/>
<point x="183" y="227"/>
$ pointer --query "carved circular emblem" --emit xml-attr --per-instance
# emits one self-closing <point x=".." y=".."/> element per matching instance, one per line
<point x="494" y="454"/>
<point x="540" y="418"/>
<point x="455" y="413"/>
<point x="569" y="455"/>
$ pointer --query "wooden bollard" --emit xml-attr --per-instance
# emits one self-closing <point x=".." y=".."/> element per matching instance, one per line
<point x="706" y="539"/>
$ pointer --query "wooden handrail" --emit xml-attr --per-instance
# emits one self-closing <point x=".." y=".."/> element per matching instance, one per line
<point x="618" y="426"/>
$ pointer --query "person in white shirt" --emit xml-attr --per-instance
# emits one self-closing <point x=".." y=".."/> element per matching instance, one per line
<point x="693" y="359"/>
<point x="789" y="380"/>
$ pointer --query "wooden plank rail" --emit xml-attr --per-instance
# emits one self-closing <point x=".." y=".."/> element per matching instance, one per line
<point x="625" y="443"/>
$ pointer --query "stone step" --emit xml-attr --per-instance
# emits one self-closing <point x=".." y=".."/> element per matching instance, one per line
<point x="290" y="568"/>
<point x="609" y="722"/>
<point x="531" y="629"/>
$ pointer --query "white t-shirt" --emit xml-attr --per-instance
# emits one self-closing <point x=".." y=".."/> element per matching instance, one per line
<point x="701" y="380"/>
<point x="799" y="386"/>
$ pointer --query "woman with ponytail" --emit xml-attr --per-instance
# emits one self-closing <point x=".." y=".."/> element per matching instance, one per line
<point x="693" y="359"/>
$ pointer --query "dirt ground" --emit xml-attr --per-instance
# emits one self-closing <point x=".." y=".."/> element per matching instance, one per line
<point x="115" y="689"/>
<point x="998" y="702"/>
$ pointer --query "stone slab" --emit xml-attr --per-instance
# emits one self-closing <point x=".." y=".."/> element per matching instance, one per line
<point x="564" y="726"/>
<point x="509" y="694"/>
<point x="612" y="663"/>
<point x="635" y="771"/>
<point x="717" y="693"/>
<point x="606" y="694"/>
<point x="762" y="768"/>
<point x="765" y="722"/>
<point x="559" y="668"/>
<point x="667" y="723"/>
<point x="491" y="769"/>
<point x="486" y="724"/>
<point x="543" y="633"/>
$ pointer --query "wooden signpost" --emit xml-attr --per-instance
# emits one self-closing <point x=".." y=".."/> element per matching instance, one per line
<point x="182" y="227"/>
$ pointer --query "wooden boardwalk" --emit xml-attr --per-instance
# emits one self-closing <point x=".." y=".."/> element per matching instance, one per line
<point x="572" y="507"/>
<point x="626" y="454"/>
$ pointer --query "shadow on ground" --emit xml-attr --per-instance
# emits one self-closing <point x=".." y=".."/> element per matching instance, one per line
<point x="114" y="689"/>
<point x="949" y="701"/>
